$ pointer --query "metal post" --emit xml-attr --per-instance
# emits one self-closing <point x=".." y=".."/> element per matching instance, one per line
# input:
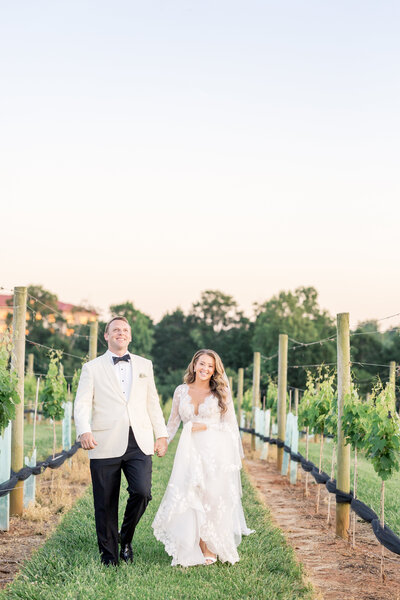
<point x="282" y="385"/>
<point x="256" y="393"/>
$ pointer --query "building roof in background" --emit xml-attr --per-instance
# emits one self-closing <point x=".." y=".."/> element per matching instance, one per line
<point x="4" y="298"/>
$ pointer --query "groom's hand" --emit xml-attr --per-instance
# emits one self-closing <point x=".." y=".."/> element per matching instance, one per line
<point x="87" y="441"/>
<point x="160" y="447"/>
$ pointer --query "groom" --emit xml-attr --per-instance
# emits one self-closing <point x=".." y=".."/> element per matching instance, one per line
<point x="116" y="412"/>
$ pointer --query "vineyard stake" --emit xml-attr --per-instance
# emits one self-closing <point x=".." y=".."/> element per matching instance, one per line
<point x="321" y="447"/>
<point x="296" y="412"/>
<point x="256" y="393"/>
<point x="392" y="379"/>
<point x="355" y="496"/>
<point x="29" y="369"/>
<point x="333" y="460"/>
<point x="94" y="328"/>
<point x="306" y="486"/>
<point x="35" y="413"/>
<point x="282" y="386"/>
<point x="343" y="449"/>
<point x="240" y="395"/>
<point x="29" y="373"/>
<point x="383" y="525"/>
<point x="18" y="365"/>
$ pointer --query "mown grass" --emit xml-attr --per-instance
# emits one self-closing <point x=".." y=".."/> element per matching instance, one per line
<point x="67" y="567"/>
<point x="368" y="486"/>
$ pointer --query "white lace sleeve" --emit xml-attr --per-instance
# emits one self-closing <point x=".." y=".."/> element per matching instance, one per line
<point x="228" y="418"/>
<point x="229" y="422"/>
<point x="174" y="418"/>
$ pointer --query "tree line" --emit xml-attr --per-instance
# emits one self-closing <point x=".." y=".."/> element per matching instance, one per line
<point x="216" y="321"/>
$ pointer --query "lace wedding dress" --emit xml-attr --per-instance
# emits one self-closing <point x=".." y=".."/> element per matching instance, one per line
<point x="203" y="496"/>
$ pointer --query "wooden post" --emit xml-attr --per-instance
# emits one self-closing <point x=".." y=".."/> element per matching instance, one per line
<point x="18" y="365"/>
<point x="282" y="385"/>
<point x="392" y="379"/>
<point x="240" y="395"/>
<point x="29" y="370"/>
<point x="94" y="328"/>
<point x="256" y="393"/>
<point x="296" y="402"/>
<point x="230" y="379"/>
<point x="343" y="450"/>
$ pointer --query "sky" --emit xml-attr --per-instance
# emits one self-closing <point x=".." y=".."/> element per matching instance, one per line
<point x="152" y="150"/>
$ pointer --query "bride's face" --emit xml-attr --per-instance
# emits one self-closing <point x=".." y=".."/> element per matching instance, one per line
<point x="204" y="367"/>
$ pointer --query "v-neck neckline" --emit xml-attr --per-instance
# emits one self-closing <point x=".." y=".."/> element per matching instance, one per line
<point x="196" y="414"/>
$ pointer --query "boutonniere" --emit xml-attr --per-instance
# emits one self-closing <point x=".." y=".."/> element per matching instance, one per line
<point x="142" y="375"/>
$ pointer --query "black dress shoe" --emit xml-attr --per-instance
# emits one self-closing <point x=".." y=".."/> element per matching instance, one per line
<point x="109" y="563"/>
<point x="126" y="553"/>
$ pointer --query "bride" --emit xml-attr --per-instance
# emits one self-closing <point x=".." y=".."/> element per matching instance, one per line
<point x="200" y="517"/>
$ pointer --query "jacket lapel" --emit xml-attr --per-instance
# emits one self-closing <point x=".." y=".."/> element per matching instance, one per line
<point x="109" y="370"/>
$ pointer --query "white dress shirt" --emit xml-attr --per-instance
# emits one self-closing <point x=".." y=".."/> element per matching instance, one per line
<point x="123" y="373"/>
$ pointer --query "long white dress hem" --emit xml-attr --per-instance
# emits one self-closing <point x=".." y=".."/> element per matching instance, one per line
<point x="203" y="496"/>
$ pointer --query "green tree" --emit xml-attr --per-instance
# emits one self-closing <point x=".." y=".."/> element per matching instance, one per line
<point x="367" y="346"/>
<point x="217" y="310"/>
<point x="299" y="316"/>
<point x="219" y="324"/>
<point x="174" y="346"/>
<point x="141" y="325"/>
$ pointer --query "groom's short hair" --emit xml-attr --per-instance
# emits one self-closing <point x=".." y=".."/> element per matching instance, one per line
<point x="115" y="319"/>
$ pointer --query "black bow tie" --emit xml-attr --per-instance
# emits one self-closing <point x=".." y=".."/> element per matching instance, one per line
<point x="116" y="359"/>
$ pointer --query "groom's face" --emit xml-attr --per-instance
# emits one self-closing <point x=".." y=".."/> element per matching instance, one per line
<point x="118" y="337"/>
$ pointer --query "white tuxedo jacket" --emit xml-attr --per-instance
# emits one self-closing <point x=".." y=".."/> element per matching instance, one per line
<point x="101" y="408"/>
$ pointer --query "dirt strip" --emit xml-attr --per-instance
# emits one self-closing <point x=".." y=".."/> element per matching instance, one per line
<point x="337" y="571"/>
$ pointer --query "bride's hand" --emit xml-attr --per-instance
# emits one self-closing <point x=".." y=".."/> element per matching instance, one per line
<point x="199" y="426"/>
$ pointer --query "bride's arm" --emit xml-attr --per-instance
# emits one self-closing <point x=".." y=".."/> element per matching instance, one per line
<point x="174" y="418"/>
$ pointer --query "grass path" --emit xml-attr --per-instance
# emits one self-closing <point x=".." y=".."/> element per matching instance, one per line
<point x="67" y="567"/>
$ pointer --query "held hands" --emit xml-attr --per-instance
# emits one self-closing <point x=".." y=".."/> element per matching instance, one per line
<point x="87" y="441"/>
<point x="160" y="447"/>
<point x="199" y="427"/>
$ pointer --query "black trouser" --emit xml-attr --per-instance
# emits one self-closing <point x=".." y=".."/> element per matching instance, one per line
<point x="106" y="480"/>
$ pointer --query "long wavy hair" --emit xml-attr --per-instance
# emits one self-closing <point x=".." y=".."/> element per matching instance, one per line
<point x="218" y="382"/>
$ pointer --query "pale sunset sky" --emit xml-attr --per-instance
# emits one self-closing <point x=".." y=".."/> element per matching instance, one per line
<point x="153" y="150"/>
